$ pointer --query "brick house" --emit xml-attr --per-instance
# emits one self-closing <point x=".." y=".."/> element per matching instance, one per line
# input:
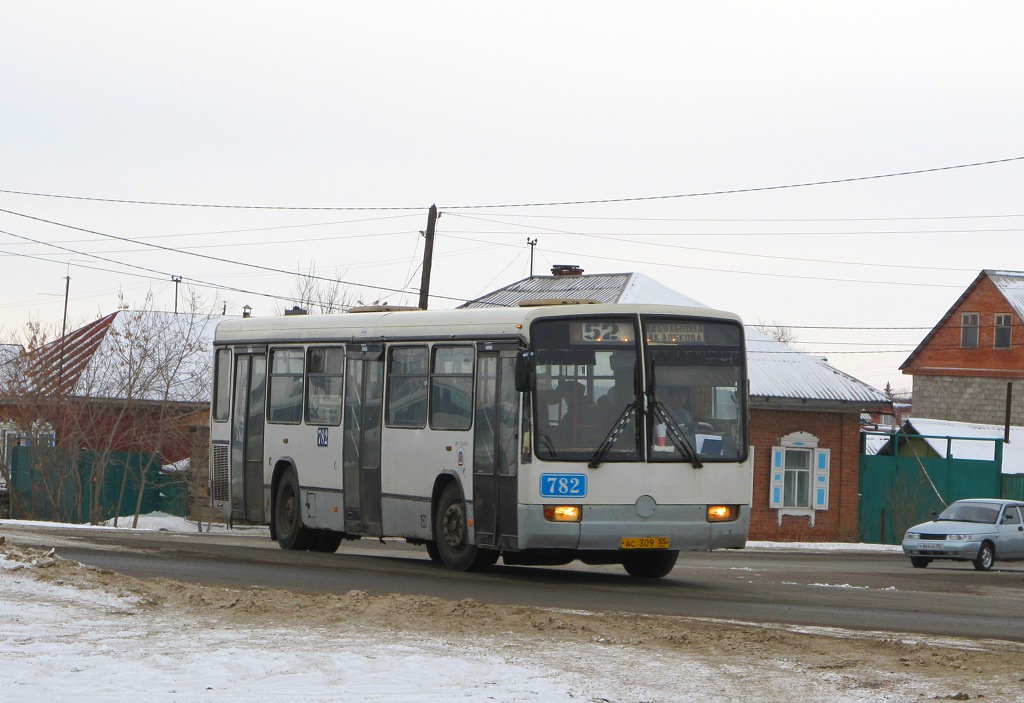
<point x="127" y="375"/>
<point x="805" y="416"/>
<point x="962" y="368"/>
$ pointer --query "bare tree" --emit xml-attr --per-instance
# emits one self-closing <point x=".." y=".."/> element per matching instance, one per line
<point x="780" y="333"/>
<point x="143" y="390"/>
<point x="318" y="295"/>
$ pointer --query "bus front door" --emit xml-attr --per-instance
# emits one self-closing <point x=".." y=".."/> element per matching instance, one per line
<point x="495" y="456"/>
<point x="247" y="416"/>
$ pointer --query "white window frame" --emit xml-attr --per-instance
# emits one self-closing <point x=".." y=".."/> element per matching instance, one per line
<point x="818" y="484"/>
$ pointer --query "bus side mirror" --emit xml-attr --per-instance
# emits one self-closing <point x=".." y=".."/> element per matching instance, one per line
<point x="524" y="371"/>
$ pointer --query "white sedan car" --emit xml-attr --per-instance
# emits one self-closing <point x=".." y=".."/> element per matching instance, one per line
<point x="979" y="530"/>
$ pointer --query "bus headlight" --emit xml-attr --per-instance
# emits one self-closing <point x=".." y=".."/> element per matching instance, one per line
<point x="562" y="513"/>
<point x="722" y="513"/>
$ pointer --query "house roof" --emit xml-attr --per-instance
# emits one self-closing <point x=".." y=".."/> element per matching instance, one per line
<point x="103" y="359"/>
<point x="1009" y="283"/>
<point x="937" y="433"/>
<point x="777" y="371"/>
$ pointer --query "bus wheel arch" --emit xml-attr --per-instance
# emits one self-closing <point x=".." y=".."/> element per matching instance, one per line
<point x="286" y="509"/>
<point x="451" y="532"/>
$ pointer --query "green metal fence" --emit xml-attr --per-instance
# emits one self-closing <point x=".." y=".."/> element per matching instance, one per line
<point x="49" y="484"/>
<point x="903" y="487"/>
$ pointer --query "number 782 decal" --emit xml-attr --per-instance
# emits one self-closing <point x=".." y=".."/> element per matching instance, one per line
<point x="563" y="485"/>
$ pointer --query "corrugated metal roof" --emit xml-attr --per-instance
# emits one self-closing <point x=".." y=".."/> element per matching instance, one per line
<point x="776" y="370"/>
<point x="603" y="287"/>
<point x="1011" y="285"/>
<point x="89" y="361"/>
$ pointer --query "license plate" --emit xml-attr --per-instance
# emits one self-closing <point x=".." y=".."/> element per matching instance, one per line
<point x="644" y="543"/>
<point x="930" y="545"/>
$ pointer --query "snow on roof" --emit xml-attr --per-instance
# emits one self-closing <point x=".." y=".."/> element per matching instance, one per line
<point x="967" y="446"/>
<point x="10" y="351"/>
<point x="1011" y="285"/>
<point x="776" y="370"/>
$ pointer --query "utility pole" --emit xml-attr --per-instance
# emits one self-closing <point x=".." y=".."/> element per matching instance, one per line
<point x="531" y="243"/>
<point x="428" y="254"/>
<point x="177" y="280"/>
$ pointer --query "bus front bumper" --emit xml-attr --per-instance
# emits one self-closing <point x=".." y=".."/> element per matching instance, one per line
<point x="604" y="527"/>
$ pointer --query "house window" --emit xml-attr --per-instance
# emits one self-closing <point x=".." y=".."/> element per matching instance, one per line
<point x="796" y="478"/>
<point x="969" y="330"/>
<point x="1004" y="323"/>
<point x="799" y="480"/>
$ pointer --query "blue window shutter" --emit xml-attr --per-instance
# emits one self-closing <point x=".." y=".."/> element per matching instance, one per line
<point x="777" y="476"/>
<point x="819" y="491"/>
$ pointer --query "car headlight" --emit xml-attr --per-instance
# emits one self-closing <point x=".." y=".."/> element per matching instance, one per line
<point x="959" y="538"/>
<point x="913" y="535"/>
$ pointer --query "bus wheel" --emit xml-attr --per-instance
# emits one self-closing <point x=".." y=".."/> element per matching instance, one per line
<point x="326" y="541"/>
<point x="649" y="565"/>
<point x="451" y="536"/>
<point x="435" y="556"/>
<point x="288" y="515"/>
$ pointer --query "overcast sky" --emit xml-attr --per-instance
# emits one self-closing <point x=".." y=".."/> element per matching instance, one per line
<point x="400" y="105"/>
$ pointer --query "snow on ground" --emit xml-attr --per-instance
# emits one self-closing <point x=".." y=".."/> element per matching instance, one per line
<point x="73" y="633"/>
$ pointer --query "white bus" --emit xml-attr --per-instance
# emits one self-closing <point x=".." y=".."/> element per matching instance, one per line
<point x="540" y="434"/>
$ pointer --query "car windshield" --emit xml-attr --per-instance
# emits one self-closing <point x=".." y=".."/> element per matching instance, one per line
<point x="971" y="512"/>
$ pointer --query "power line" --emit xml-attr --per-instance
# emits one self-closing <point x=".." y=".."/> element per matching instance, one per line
<point x="187" y="253"/>
<point x="596" y="201"/>
<point x="756" y="219"/>
<point x="604" y="237"/>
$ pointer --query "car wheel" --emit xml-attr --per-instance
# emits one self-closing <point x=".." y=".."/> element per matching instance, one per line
<point x="986" y="555"/>
<point x="920" y="562"/>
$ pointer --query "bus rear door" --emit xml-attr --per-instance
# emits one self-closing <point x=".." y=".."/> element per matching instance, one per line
<point x="247" y="421"/>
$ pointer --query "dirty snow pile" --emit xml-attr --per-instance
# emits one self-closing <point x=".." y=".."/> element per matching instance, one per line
<point x="74" y="633"/>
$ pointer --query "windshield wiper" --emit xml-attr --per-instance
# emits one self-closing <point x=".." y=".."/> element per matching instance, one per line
<point x="676" y="433"/>
<point x="613" y="435"/>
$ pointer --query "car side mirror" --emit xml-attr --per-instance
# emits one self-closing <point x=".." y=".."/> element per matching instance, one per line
<point x="525" y="370"/>
<point x="934" y="515"/>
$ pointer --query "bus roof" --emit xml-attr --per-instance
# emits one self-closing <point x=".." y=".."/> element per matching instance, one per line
<point x="460" y="323"/>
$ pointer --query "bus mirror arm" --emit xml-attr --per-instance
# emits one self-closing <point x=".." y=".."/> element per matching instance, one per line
<point x="525" y="376"/>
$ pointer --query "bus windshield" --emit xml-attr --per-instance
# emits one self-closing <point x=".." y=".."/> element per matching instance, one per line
<point x="590" y="394"/>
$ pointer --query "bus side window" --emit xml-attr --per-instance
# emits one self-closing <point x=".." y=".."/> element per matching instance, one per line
<point x="451" y="388"/>
<point x="407" y="387"/>
<point x="284" y="404"/>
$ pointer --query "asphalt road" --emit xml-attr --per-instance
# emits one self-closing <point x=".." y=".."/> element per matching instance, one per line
<point x="877" y="591"/>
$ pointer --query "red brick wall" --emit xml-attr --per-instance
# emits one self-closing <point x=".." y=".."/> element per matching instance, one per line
<point x="839" y="432"/>
<point x="943" y="354"/>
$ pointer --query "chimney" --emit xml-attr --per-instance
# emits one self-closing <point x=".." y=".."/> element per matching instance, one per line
<point x="566" y="270"/>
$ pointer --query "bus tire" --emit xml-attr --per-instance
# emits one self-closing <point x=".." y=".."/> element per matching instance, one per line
<point x="326" y="541"/>
<point x="649" y="565"/>
<point x="452" y="535"/>
<point x="288" y="515"/>
<point x="435" y="556"/>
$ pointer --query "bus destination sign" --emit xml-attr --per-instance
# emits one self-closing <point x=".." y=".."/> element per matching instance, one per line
<point x="674" y="333"/>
